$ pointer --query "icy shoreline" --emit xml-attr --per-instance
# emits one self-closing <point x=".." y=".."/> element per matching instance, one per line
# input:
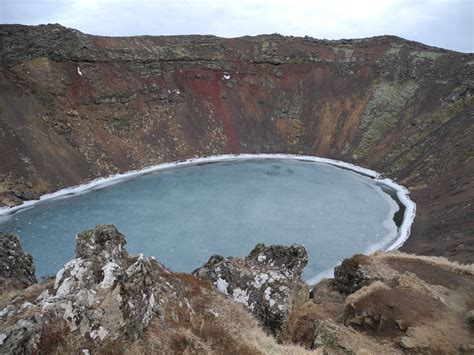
<point x="401" y="192"/>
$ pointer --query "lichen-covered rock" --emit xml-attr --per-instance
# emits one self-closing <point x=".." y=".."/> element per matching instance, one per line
<point x="16" y="266"/>
<point x="102" y="295"/>
<point x="103" y="273"/>
<point x="264" y="282"/>
<point x="350" y="276"/>
<point x="106" y="301"/>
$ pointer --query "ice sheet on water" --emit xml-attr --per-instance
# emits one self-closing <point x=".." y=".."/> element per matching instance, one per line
<point x="182" y="216"/>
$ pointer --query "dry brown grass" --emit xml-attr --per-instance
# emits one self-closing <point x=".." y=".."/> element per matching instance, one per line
<point x="437" y="261"/>
<point x="217" y="325"/>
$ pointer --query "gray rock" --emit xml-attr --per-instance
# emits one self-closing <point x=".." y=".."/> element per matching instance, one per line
<point x="16" y="266"/>
<point x="264" y="282"/>
<point x="103" y="295"/>
<point x="23" y="337"/>
<point x="103" y="272"/>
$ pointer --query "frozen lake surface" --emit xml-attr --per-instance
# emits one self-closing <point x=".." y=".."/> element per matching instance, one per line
<point x="184" y="215"/>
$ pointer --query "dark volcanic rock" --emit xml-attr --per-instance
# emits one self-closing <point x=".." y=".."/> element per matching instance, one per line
<point x="349" y="276"/>
<point x="264" y="282"/>
<point x="26" y="195"/>
<point x="16" y="266"/>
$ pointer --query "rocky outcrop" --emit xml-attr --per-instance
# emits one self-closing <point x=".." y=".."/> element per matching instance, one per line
<point x="102" y="294"/>
<point x="16" y="266"/>
<point x="350" y="276"/>
<point x="103" y="291"/>
<point x="403" y="303"/>
<point x="106" y="300"/>
<point x="265" y="282"/>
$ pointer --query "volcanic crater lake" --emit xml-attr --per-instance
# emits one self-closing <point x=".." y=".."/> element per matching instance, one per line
<point x="183" y="215"/>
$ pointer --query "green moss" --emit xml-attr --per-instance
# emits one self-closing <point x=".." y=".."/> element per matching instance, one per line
<point x="268" y="53"/>
<point x="383" y="112"/>
<point x="410" y="150"/>
<point x="421" y="56"/>
<point x="297" y="124"/>
<point x="390" y="55"/>
<point x="326" y="340"/>
<point x="347" y="53"/>
<point x="40" y="63"/>
<point x="468" y="155"/>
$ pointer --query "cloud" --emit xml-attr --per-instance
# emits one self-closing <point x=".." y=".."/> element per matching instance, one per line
<point x="443" y="23"/>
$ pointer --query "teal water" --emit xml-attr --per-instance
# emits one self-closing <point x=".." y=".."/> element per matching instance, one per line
<point x="184" y="215"/>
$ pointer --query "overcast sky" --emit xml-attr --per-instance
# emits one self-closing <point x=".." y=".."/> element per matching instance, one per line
<point x="441" y="23"/>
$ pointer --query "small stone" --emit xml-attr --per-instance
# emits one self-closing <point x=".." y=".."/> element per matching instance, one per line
<point x="73" y="113"/>
<point x="407" y="343"/>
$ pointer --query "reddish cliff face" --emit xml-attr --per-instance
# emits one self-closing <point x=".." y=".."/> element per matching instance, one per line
<point x="74" y="107"/>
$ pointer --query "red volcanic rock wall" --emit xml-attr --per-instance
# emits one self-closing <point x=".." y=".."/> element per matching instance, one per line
<point x="74" y="107"/>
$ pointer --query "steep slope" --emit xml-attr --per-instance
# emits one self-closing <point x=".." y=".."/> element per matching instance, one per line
<point x="74" y="107"/>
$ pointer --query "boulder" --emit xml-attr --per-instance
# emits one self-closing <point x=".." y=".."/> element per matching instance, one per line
<point x="104" y="273"/>
<point x="102" y="295"/>
<point x="265" y="282"/>
<point x="351" y="275"/>
<point x="16" y="266"/>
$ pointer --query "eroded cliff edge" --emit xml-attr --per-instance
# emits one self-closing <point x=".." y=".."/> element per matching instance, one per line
<point x="107" y="301"/>
<point x="74" y="107"/>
